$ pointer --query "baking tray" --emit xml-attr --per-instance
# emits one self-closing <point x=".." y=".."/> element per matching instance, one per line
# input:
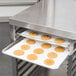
<point x="26" y="32"/>
<point x="63" y="57"/>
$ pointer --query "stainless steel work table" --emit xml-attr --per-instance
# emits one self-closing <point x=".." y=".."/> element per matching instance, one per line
<point x="62" y="23"/>
<point x="6" y="13"/>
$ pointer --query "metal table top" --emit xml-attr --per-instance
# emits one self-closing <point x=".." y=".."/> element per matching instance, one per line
<point x="62" y="18"/>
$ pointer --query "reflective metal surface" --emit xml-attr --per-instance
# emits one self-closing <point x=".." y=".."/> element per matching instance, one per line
<point x="6" y="67"/>
<point x="16" y="2"/>
<point x="52" y="17"/>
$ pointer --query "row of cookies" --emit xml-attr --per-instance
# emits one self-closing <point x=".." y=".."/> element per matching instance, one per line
<point x="43" y="54"/>
<point x="46" y="38"/>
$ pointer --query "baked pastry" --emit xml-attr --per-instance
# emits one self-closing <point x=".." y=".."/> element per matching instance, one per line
<point x="52" y="55"/>
<point x="46" y="46"/>
<point x="30" y="41"/>
<point x="33" y="33"/>
<point x="18" y="52"/>
<point x="59" y="49"/>
<point x="49" y="62"/>
<point x="32" y="57"/>
<point x="45" y="37"/>
<point x="38" y="51"/>
<point x="25" y="47"/>
<point x="59" y="40"/>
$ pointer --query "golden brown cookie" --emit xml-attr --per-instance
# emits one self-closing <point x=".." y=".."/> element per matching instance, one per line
<point x="38" y="51"/>
<point x="30" y="41"/>
<point x="49" y="62"/>
<point x="46" y="37"/>
<point x="59" y="40"/>
<point x="46" y="46"/>
<point x="59" y="49"/>
<point x="18" y="52"/>
<point x="25" y="47"/>
<point x="33" y="33"/>
<point x="32" y="57"/>
<point x="52" y="55"/>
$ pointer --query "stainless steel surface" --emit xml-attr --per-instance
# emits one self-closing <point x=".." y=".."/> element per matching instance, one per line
<point x="37" y="14"/>
<point x="72" y="65"/>
<point x="10" y="11"/>
<point x="65" y="16"/>
<point x="5" y="61"/>
<point x="16" y="2"/>
<point x="14" y="61"/>
<point x="52" y="17"/>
